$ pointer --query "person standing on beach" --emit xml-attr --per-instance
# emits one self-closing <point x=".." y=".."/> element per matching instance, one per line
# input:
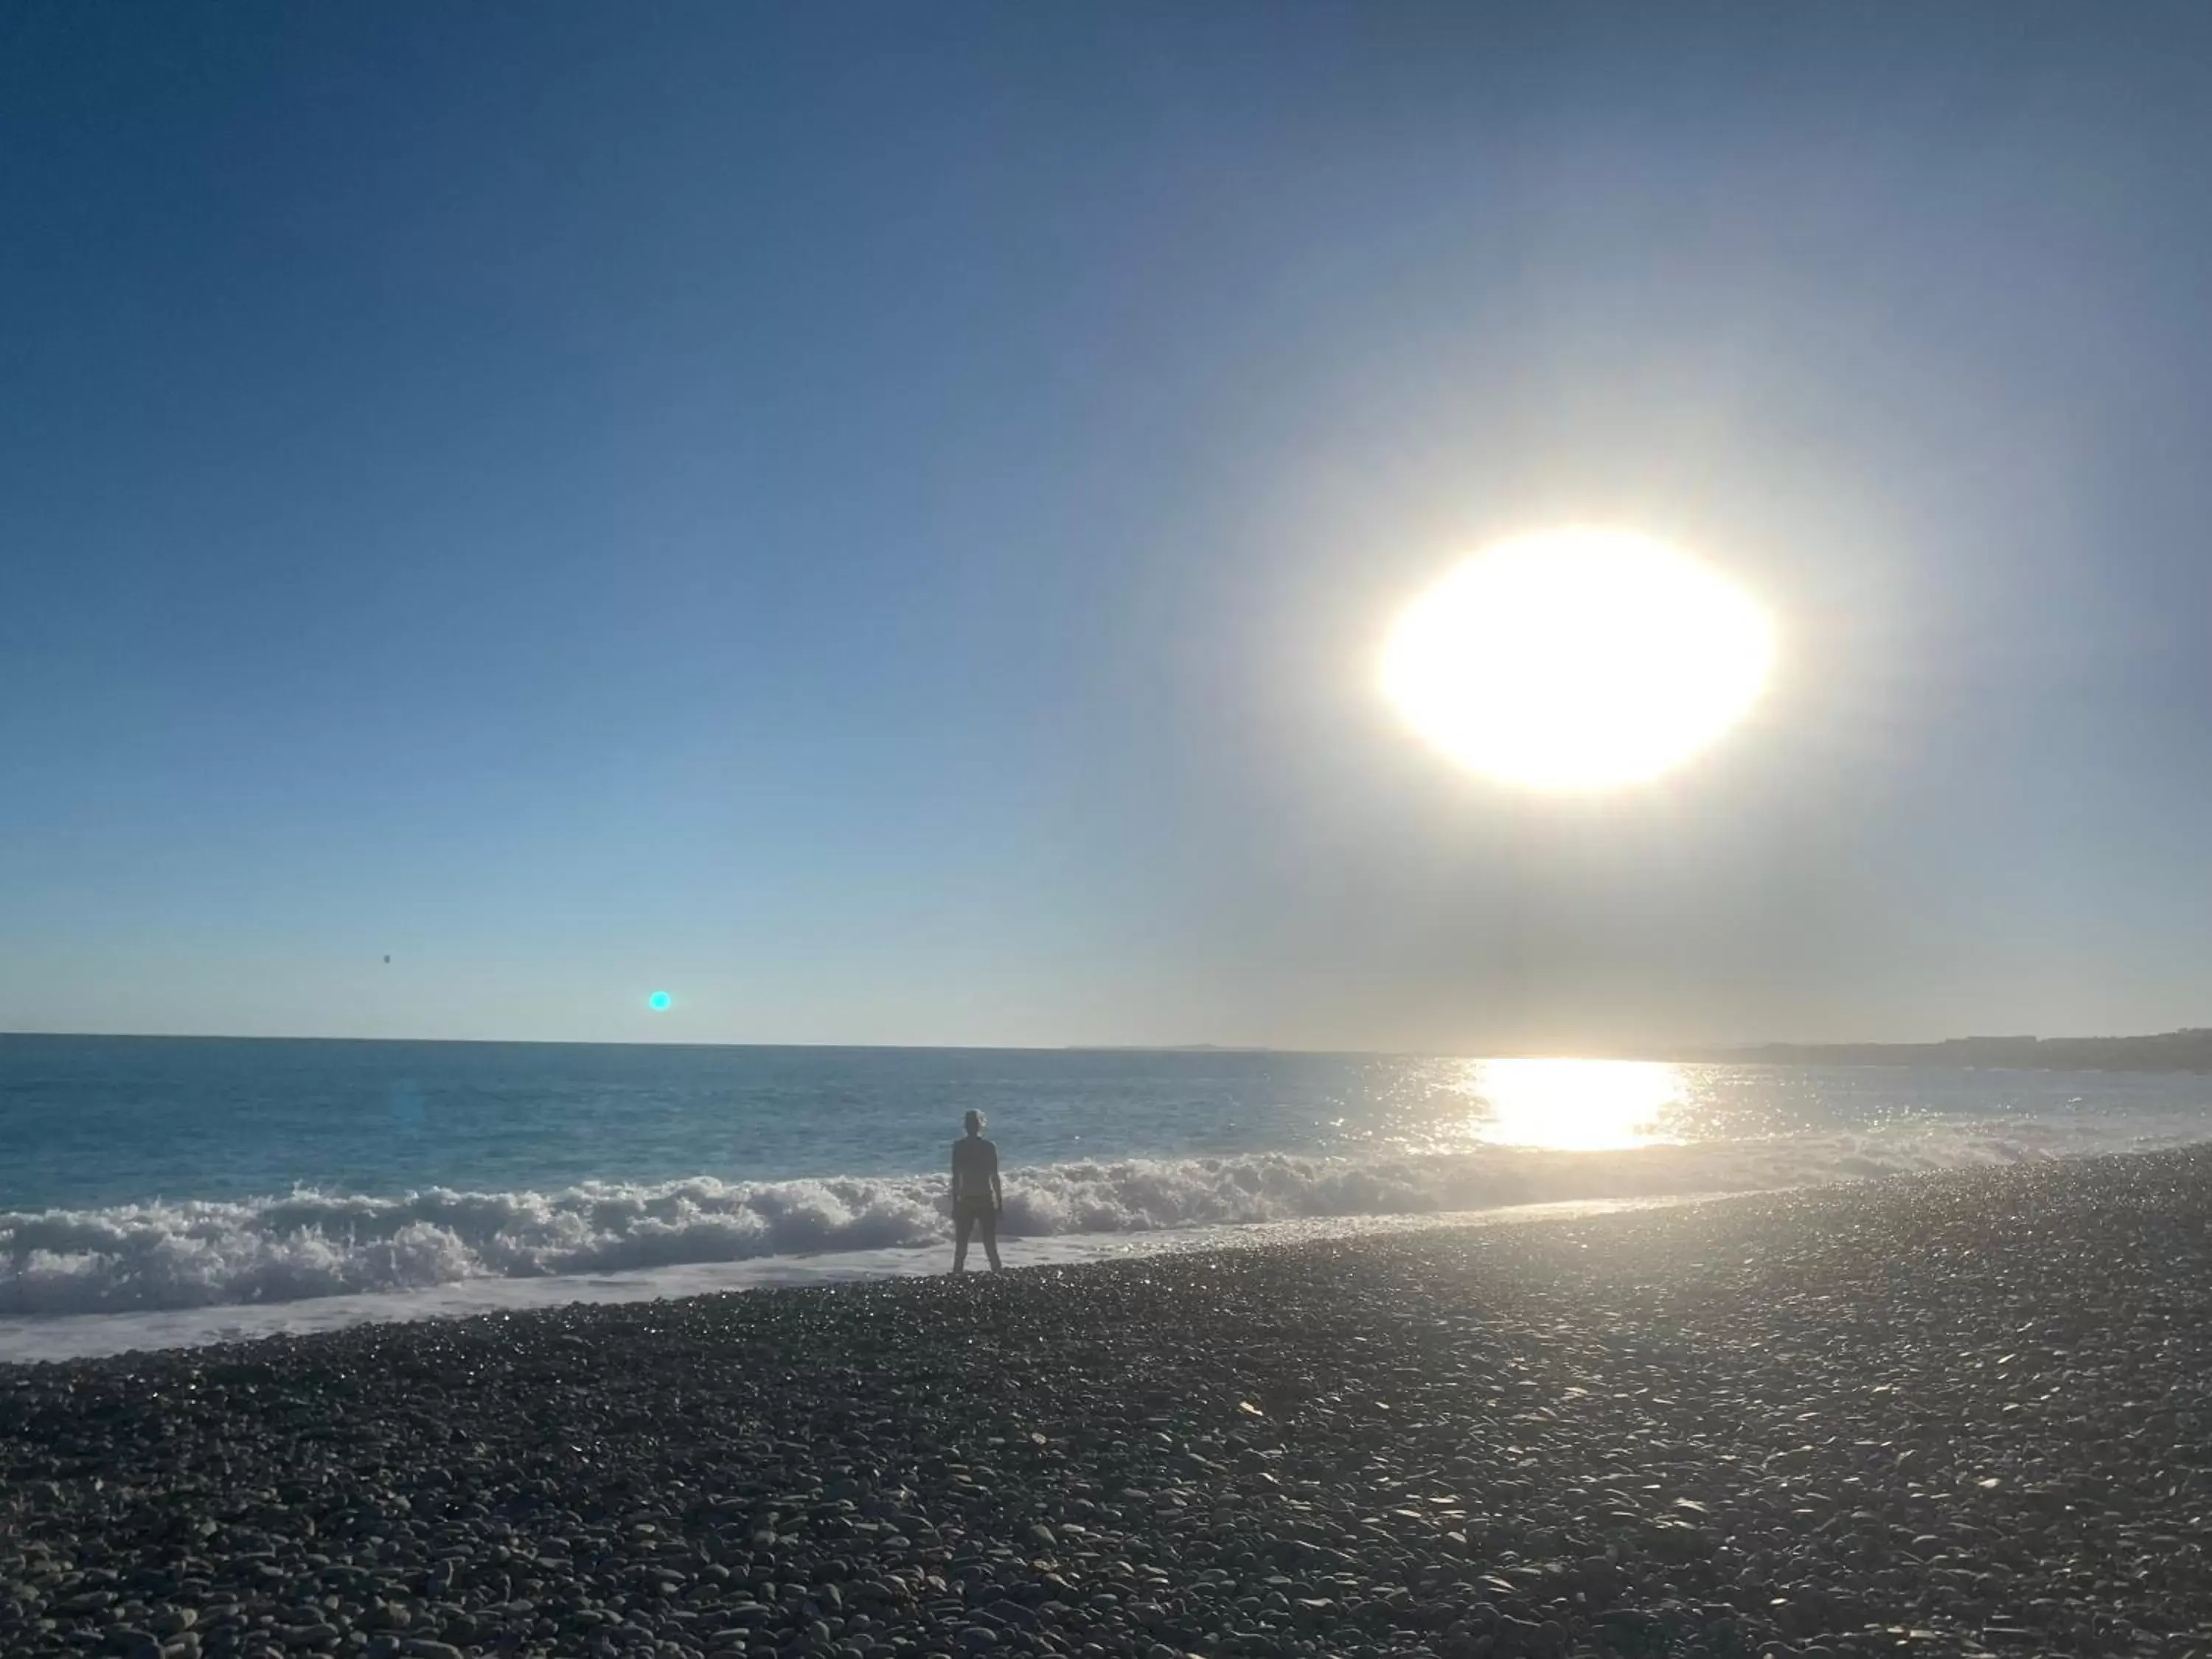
<point x="977" y="1198"/>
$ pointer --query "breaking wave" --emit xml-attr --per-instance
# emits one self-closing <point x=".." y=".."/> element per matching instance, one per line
<point x="195" y="1255"/>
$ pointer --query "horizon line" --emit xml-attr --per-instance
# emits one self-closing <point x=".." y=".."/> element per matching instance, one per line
<point x="1680" y="1053"/>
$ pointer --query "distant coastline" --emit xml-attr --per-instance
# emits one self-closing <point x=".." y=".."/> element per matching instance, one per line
<point x="2189" y="1050"/>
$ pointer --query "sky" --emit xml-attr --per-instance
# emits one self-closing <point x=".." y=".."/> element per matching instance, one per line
<point x="879" y="520"/>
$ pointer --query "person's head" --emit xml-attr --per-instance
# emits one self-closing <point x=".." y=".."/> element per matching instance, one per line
<point x="974" y="1122"/>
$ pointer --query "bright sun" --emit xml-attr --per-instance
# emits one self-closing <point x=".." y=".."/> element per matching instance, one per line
<point x="1577" y="659"/>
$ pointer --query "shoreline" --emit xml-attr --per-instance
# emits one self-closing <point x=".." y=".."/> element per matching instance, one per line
<point x="62" y="1338"/>
<point x="311" y="1259"/>
<point x="1953" y="1414"/>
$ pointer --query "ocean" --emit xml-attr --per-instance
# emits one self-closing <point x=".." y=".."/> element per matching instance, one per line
<point x="166" y="1190"/>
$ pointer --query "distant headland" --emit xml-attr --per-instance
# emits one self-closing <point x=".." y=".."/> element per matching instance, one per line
<point x="2187" y="1050"/>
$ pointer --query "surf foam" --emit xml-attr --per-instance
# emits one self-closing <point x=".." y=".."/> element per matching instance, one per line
<point x="309" y="1244"/>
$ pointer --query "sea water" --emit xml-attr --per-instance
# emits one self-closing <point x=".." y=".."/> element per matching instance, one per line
<point x="159" y="1189"/>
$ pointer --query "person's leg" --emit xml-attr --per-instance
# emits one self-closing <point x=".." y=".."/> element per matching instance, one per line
<point x="987" y="1219"/>
<point x="963" y="1223"/>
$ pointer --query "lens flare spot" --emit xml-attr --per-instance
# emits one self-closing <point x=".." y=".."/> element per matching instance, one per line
<point x="660" y="1002"/>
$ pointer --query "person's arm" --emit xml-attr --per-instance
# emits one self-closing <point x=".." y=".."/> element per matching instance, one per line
<point x="998" y="1192"/>
<point x="952" y="1186"/>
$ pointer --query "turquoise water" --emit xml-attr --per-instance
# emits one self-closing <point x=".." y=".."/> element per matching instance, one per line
<point x="102" y="1120"/>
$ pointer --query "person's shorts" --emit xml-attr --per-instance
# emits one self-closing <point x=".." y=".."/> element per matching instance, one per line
<point x="976" y="1213"/>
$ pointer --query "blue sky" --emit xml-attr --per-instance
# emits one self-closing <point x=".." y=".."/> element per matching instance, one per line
<point x="877" y="520"/>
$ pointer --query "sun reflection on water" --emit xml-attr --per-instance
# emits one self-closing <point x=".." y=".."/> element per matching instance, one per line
<point x="1574" y="1105"/>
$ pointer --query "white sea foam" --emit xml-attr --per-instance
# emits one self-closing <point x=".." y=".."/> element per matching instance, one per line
<point x="73" y="1336"/>
<point x="308" y="1245"/>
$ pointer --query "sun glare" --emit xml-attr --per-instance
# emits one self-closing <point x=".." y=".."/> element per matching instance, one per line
<point x="1577" y="659"/>
<point x="1574" y="1105"/>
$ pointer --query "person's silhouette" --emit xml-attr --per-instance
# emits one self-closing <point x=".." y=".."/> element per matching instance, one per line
<point x="977" y="1198"/>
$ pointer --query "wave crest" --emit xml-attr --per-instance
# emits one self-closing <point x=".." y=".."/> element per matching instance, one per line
<point x="308" y="1243"/>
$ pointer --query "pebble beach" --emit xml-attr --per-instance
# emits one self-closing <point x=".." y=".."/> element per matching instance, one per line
<point x="1954" y="1415"/>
